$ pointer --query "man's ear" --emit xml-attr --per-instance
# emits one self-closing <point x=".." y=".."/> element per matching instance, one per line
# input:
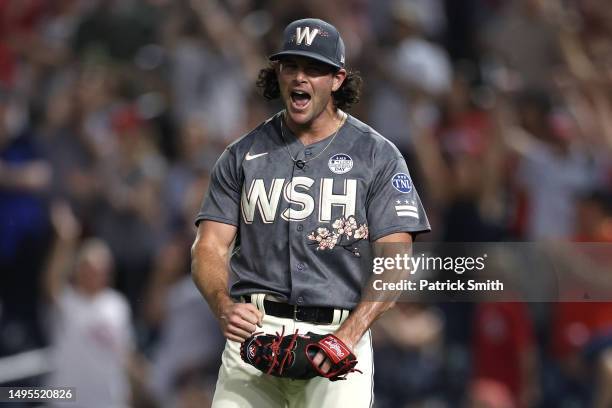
<point x="338" y="78"/>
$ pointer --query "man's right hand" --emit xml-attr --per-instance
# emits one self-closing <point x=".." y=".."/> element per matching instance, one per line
<point x="239" y="320"/>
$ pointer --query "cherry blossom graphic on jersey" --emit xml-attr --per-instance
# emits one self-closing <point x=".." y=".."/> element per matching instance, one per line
<point x="344" y="234"/>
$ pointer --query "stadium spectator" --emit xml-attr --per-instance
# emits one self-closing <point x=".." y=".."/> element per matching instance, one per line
<point x="90" y="323"/>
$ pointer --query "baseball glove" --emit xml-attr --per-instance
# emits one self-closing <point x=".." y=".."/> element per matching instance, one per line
<point x="292" y="356"/>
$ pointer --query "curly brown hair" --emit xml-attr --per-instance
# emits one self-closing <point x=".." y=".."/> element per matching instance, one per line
<point x="344" y="98"/>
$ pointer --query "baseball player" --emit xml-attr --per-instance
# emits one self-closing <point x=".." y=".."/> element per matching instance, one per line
<point x="302" y="197"/>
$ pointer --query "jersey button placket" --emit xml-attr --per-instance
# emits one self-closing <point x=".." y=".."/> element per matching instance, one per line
<point x="296" y="236"/>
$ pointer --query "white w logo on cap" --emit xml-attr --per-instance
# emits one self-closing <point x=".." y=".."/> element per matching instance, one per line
<point x="305" y="33"/>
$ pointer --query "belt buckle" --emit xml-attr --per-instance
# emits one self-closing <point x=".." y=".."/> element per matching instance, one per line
<point x="301" y="314"/>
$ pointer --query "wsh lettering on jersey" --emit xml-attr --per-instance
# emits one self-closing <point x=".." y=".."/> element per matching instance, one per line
<point x="299" y="194"/>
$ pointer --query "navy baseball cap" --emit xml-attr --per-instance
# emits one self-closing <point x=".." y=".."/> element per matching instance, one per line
<point x="312" y="38"/>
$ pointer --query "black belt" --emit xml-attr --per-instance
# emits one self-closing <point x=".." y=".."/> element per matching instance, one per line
<point x="310" y="314"/>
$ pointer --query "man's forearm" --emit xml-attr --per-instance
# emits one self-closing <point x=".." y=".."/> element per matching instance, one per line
<point x="360" y="320"/>
<point x="367" y="311"/>
<point x="209" y="271"/>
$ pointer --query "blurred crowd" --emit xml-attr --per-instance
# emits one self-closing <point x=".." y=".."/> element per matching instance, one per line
<point x="113" y="112"/>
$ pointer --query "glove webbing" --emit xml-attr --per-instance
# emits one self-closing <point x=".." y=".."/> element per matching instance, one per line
<point x="275" y="347"/>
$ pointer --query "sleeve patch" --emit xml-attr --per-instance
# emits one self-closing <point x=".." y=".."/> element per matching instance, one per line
<point x="402" y="183"/>
<point x="406" y="208"/>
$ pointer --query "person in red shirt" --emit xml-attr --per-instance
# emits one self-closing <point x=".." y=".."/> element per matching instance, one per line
<point x="504" y="349"/>
<point x="581" y="339"/>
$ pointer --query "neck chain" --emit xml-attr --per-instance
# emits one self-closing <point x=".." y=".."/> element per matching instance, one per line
<point x="301" y="163"/>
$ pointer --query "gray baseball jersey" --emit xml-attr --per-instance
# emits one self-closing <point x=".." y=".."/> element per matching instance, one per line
<point x="304" y="233"/>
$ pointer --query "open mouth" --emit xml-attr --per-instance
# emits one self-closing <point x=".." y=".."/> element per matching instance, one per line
<point x="300" y="99"/>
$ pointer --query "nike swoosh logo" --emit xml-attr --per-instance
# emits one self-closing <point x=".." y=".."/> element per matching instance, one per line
<point x="250" y="156"/>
